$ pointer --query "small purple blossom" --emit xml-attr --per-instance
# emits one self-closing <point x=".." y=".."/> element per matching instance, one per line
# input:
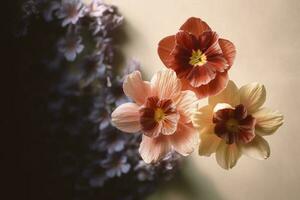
<point x="104" y="46"/>
<point x="93" y="68"/>
<point x="169" y="161"/>
<point x="97" y="26"/>
<point x="97" y="8"/>
<point x="105" y="18"/>
<point x="116" y="165"/>
<point x="110" y="140"/>
<point x="102" y="116"/>
<point x="145" y="172"/>
<point x="168" y="165"/>
<point x="104" y="119"/>
<point x="70" y="46"/>
<point x="132" y="65"/>
<point x="71" y="11"/>
<point x="112" y="20"/>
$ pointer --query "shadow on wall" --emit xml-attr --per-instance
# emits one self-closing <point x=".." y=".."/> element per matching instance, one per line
<point x="190" y="184"/>
<point x="121" y="38"/>
<point x="124" y="38"/>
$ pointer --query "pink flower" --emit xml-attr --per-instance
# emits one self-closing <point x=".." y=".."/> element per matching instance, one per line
<point x="161" y="112"/>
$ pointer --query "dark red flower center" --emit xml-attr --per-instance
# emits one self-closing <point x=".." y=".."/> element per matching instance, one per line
<point x="234" y="125"/>
<point x="155" y="111"/>
<point x="197" y="59"/>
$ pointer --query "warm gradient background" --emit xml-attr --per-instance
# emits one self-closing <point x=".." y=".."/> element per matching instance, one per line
<point x="266" y="34"/>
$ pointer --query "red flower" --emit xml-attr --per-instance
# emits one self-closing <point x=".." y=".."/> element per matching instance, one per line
<point x="199" y="57"/>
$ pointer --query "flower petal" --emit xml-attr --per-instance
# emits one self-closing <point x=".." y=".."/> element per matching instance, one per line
<point x="213" y="87"/>
<point x="135" y="88"/>
<point x="228" y="50"/>
<point x="229" y="96"/>
<point x="169" y="124"/>
<point x="165" y="47"/>
<point x="203" y="118"/>
<point x="258" y="148"/>
<point x="79" y="48"/>
<point x="201" y="75"/>
<point x="153" y="149"/>
<point x="209" y="144"/>
<point x="195" y="26"/>
<point x="185" y="139"/>
<point x="154" y="131"/>
<point x="179" y="61"/>
<point x="127" y="118"/>
<point x="227" y="155"/>
<point x="252" y="96"/>
<point x="70" y="55"/>
<point x="186" y="40"/>
<point x="165" y="85"/>
<point x="209" y="44"/>
<point x="186" y="105"/>
<point x="221" y="106"/>
<point x="267" y="121"/>
<point x="218" y="63"/>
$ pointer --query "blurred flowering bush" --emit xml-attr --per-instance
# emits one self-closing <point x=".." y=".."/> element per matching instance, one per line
<point x="67" y="53"/>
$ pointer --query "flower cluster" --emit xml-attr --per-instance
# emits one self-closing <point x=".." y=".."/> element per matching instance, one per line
<point x="73" y="14"/>
<point x="198" y="62"/>
<point x="73" y="67"/>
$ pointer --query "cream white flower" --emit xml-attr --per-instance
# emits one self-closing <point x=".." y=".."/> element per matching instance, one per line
<point x="234" y="123"/>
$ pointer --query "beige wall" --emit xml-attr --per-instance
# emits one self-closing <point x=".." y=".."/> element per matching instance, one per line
<point x="266" y="34"/>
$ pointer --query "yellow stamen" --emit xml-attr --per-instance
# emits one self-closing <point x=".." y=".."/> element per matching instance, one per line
<point x="198" y="58"/>
<point x="159" y="115"/>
